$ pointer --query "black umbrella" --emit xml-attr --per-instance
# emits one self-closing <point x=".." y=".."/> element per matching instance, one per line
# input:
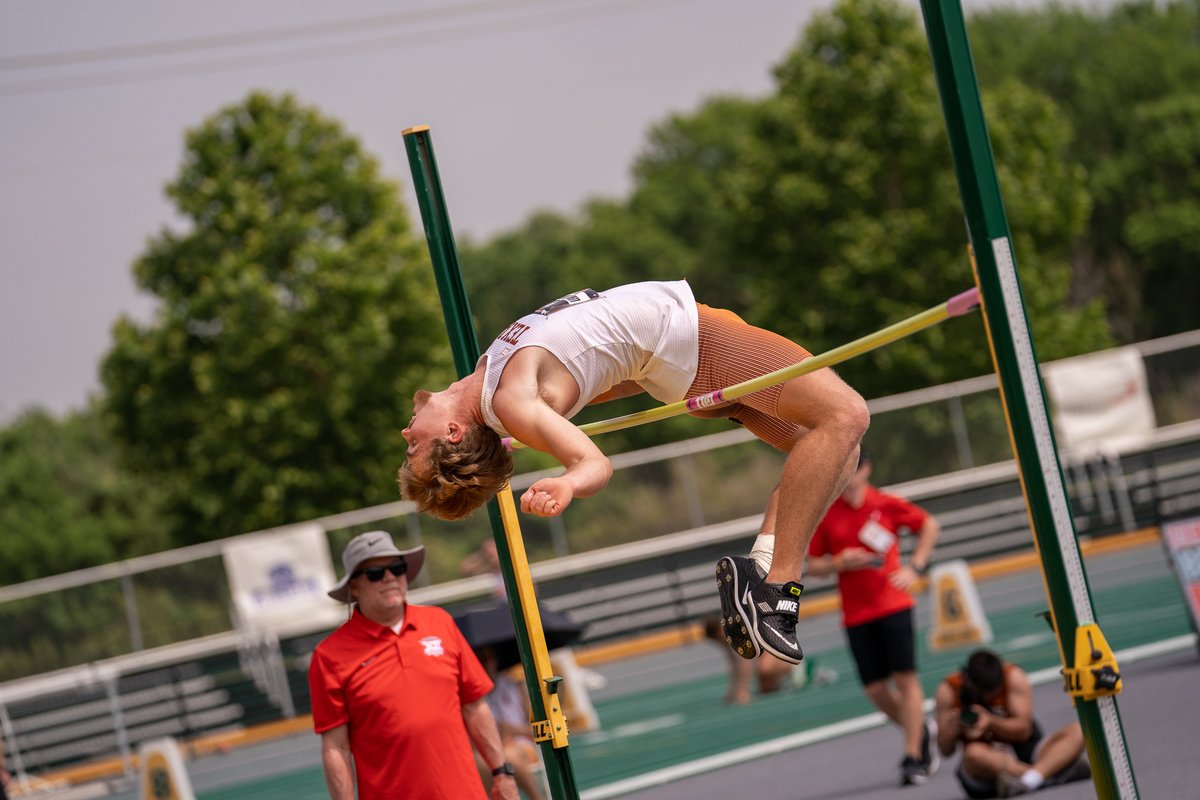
<point x="492" y="627"/>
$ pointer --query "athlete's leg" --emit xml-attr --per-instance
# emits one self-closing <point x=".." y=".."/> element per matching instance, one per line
<point x="910" y="712"/>
<point x="817" y="420"/>
<point x="819" y="464"/>
<point x="1059" y="751"/>
<point x="884" y="696"/>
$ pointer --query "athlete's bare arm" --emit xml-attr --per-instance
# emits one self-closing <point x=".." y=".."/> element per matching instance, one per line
<point x="528" y="400"/>
<point x="1017" y="726"/>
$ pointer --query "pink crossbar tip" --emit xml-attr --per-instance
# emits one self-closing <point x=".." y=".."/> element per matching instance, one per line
<point x="507" y="442"/>
<point x="963" y="302"/>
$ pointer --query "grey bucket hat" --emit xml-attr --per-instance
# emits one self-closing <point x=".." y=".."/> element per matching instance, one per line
<point x="373" y="544"/>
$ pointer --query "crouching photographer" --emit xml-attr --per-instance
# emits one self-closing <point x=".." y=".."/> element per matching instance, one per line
<point x="987" y="708"/>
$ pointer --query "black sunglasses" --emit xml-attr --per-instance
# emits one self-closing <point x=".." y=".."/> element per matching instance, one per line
<point x="375" y="574"/>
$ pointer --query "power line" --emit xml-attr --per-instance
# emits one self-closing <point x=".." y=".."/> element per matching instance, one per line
<point x="556" y="15"/>
<point x="281" y="34"/>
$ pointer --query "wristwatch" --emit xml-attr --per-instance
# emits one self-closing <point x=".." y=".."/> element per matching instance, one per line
<point x="504" y="769"/>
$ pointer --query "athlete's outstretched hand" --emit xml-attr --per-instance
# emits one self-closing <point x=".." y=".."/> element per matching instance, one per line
<point x="548" y="497"/>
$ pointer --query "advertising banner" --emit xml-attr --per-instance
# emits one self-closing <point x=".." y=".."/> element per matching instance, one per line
<point x="279" y="579"/>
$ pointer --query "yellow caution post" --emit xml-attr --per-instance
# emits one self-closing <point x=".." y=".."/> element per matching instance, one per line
<point x="163" y="775"/>
<point x="958" y="618"/>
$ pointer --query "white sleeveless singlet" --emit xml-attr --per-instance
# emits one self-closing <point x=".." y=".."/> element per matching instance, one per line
<point x="644" y="332"/>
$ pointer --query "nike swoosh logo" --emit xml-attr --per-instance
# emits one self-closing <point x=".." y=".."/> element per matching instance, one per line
<point x="793" y="646"/>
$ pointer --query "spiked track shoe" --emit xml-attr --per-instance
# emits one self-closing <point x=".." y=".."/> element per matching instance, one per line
<point x="736" y="576"/>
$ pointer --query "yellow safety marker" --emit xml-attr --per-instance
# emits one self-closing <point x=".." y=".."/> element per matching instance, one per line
<point x="163" y="774"/>
<point x="958" y="616"/>
<point x="956" y="306"/>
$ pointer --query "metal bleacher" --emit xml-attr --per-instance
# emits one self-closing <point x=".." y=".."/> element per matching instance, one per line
<point x="104" y="709"/>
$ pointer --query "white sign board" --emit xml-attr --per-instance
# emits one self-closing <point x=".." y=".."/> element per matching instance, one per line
<point x="279" y="579"/>
<point x="1100" y="401"/>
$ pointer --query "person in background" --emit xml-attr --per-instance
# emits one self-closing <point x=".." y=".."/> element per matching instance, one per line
<point x="397" y="693"/>
<point x="5" y="776"/>
<point x="772" y="674"/>
<point x="485" y="561"/>
<point x="509" y="702"/>
<point x="858" y="541"/>
<point x="987" y="708"/>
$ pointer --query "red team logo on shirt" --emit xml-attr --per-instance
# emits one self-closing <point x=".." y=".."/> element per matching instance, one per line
<point x="512" y="333"/>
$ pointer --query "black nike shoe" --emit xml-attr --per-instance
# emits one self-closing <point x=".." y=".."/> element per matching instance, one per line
<point x="913" y="772"/>
<point x="736" y="576"/>
<point x="1078" y="770"/>
<point x="774" y="610"/>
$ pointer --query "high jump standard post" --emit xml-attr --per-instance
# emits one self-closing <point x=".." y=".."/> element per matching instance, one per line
<point x="1089" y="667"/>
<point x="549" y="722"/>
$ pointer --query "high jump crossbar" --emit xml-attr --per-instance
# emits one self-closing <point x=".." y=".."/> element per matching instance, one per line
<point x="956" y="306"/>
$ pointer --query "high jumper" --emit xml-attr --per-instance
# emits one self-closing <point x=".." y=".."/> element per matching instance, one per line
<point x="653" y="337"/>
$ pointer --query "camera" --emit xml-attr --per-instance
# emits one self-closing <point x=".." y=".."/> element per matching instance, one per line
<point x="968" y="697"/>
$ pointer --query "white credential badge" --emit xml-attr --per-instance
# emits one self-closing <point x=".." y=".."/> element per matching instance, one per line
<point x="876" y="537"/>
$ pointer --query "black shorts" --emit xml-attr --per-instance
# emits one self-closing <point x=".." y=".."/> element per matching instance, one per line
<point x="883" y="646"/>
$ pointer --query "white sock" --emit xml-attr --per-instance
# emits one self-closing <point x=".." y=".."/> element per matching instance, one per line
<point x="1032" y="779"/>
<point x="763" y="551"/>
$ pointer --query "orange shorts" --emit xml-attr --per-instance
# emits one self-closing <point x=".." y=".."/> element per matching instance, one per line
<point x="733" y="351"/>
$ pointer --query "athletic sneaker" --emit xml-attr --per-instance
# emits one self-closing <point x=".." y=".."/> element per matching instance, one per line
<point x="736" y="576"/>
<point x="1079" y="770"/>
<point x="774" y="612"/>
<point x="929" y="752"/>
<point x="1008" y="786"/>
<point x="913" y="772"/>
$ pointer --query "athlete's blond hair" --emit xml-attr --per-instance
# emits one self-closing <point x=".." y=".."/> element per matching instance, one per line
<point x="462" y="476"/>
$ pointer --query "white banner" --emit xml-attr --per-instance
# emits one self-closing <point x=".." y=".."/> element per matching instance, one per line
<point x="1100" y="400"/>
<point x="279" y="580"/>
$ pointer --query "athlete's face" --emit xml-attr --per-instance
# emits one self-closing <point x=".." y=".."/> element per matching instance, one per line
<point x="426" y="426"/>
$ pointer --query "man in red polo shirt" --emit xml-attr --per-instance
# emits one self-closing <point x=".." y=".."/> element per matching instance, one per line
<point x="398" y="688"/>
<point x="858" y="540"/>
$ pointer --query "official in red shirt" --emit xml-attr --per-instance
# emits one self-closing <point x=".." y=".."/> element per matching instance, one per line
<point x="858" y="540"/>
<point x="397" y="693"/>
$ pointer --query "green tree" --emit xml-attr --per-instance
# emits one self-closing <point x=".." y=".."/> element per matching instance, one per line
<point x="849" y="213"/>
<point x="297" y="314"/>
<point x="607" y="244"/>
<point x="685" y="177"/>
<point x="1121" y="74"/>
<point x="65" y="503"/>
<point x="1162" y="228"/>
<point x="830" y="209"/>
<point x="517" y="272"/>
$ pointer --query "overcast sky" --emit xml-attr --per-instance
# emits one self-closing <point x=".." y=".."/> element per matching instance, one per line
<point x="532" y="104"/>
